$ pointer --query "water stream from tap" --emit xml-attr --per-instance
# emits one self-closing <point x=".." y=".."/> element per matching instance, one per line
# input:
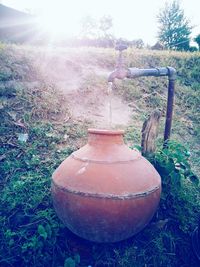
<point x="110" y="86"/>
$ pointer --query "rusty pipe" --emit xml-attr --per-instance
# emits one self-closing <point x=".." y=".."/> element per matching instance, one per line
<point x="121" y="73"/>
<point x="158" y="72"/>
<point x="170" y="102"/>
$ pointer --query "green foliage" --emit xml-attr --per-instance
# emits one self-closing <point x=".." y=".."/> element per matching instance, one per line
<point x="166" y="241"/>
<point x="197" y="40"/>
<point x="137" y="43"/>
<point x="173" y="160"/>
<point x="193" y="49"/>
<point x="42" y="232"/>
<point x="174" y="30"/>
<point x="180" y="184"/>
<point x="69" y="262"/>
<point x="30" y="228"/>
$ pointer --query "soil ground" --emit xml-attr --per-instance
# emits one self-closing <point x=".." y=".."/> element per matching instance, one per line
<point x="91" y="104"/>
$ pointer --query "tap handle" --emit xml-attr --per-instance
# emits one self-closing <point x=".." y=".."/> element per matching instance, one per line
<point x="120" y="61"/>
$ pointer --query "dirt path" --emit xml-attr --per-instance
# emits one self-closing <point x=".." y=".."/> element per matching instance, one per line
<point x="94" y="105"/>
<point x="96" y="109"/>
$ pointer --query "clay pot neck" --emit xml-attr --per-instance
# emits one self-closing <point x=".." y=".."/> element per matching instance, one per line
<point x="105" y="137"/>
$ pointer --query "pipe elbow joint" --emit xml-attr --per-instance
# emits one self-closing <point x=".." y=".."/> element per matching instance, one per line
<point x="171" y="73"/>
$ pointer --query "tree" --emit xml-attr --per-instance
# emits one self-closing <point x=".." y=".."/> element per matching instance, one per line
<point x="96" y="29"/>
<point x="137" y="43"/>
<point x="105" y="25"/>
<point x="197" y="40"/>
<point x="174" y="30"/>
<point x="89" y="27"/>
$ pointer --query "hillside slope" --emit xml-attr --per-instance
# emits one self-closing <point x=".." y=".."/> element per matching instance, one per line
<point x="81" y="75"/>
<point x="48" y="99"/>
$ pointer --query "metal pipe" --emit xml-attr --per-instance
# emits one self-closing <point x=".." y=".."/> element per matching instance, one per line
<point x="170" y="103"/>
<point x="135" y="72"/>
<point x="121" y="73"/>
<point x="157" y="72"/>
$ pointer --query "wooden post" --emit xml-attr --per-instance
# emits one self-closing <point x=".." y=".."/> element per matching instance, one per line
<point x="150" y="133"/>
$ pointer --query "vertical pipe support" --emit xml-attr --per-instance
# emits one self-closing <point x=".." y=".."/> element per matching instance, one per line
<point x="170" y="102"/>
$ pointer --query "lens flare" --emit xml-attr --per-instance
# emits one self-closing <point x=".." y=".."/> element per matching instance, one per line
<point x="58" y="21"/>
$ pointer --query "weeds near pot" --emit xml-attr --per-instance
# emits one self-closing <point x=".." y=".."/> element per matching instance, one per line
<point x="166" y="241"/>
<point x="180" y="185"/>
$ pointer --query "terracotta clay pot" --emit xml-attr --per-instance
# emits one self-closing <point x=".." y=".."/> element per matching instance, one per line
<point x="105" y="192"/>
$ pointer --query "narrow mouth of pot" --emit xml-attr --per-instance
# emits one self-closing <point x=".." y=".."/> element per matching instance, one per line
<point x="105" y="132"/>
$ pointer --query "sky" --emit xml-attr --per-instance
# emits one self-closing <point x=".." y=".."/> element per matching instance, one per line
<point x="131" y="19"/>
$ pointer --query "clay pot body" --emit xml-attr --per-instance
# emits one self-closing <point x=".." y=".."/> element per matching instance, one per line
<point x="105" y="192"/>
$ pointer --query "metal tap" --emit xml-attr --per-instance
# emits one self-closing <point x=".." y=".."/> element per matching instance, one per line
<point x="122" y="72"/>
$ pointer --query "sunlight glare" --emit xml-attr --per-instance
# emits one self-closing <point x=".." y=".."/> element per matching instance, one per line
<point x="58" y="22"/>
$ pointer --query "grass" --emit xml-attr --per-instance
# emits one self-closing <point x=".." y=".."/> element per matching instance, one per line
<point x="30" y="232"/>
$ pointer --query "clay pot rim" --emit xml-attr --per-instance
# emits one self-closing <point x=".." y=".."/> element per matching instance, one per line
<point x="105" y="132"/>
